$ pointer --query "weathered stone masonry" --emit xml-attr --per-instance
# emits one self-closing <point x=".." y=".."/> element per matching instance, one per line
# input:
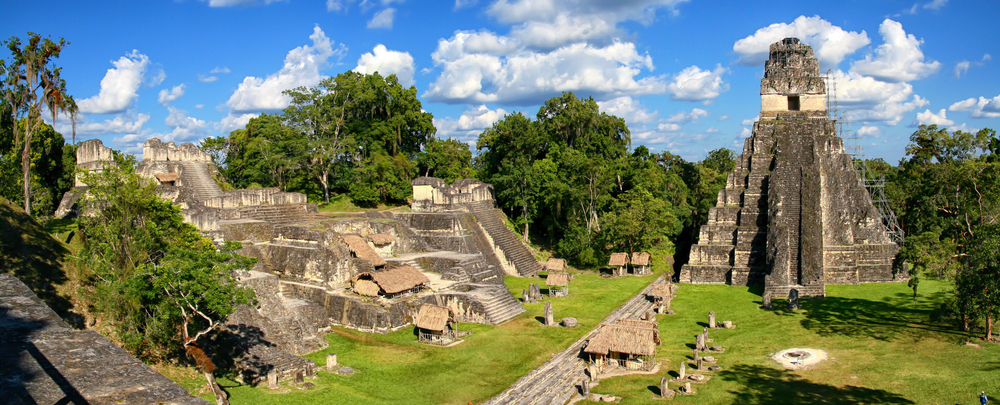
<point x="794" y="213"/>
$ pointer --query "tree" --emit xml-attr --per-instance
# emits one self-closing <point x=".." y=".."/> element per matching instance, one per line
<point x="31" y="84"/>
<point x="447" y="159"/>
<point x="977" y="286"/>
<point x="508" y="152"/>
<point x="637" y="221"/>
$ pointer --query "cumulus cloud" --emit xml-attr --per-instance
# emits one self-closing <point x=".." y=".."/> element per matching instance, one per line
<point x="118" y="87"/>
<point x="470" y="124"/>
<point x="685" y="117"/>
<point x="750" y="121"/>
<point x="480" y="67"/>
<point x="383" y="19"/>
<point x="981" y="107"/>
<point x="388" y="62"/>
<point x="746" y="133"/>
<point x="301" y="68"/>
<point x="829" y="42"/>
<point x="868" y="131"/>
<point x="898" y="59"/>
<point x="929" y="118"/>
<point x="694" y="84"/>
<point x="630" y="109"/>
<point x="166" y="96"/>
<point x="121" y="124"/>
<point x="866" y="99"/>
<point x="233" y="122"/>
<point x="668" y="127"/>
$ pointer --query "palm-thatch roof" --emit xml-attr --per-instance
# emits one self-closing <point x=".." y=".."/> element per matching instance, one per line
<point x="167" y="177"/>
<point x="380" y="239"/>
<point x="641" y="258"/>
<point x="626" y="339"/>
<point x="432" y="317"/>
<point x="555" y="265"/>
<point x="362" y="250"/>
<point x="618" y="259"/>
<point x="559" y="279"/>
<point x="398" y="279"/>
<point x="659" y="290"/>
<point x="639" y="323"/>
<point x="366" y="287"/>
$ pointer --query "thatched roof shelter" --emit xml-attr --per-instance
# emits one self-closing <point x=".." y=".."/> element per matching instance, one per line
<point x="618" y="259"/>
<point x="362" y="250"/>
<point x="432" y="317"/>
<point x="398" y="279"/>
<point x="626" y="339"/>
<point x="555" y="265"/>
<point x="641" y="258"/>
<point x="557" y="279"/>
<point x="367" y="288"/>
<point x="659" y="290"/>
<point x="381" y="239"/>
<point x="167" y="177"/>
<point x="639" y="323"/>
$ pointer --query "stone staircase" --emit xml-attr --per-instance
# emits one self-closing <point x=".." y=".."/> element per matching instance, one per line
<point x="195" y="176"/>
<point x="280" y="214"/>
<point x="499" y="305"/>
<point x="515" y="251"/>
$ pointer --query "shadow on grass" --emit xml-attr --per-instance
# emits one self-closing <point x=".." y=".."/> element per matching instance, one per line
<point x="32" y="255"/>
<point x="763" y="385"/>
<point x="882" y="320"/>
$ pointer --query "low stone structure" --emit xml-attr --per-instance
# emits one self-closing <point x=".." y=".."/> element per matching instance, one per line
<point x="45" y="361"/>
<point x="794" y="213"/>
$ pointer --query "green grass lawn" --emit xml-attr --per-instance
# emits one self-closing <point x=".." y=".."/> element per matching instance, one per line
<point x="883" y="349"/>
<point x="393" y="368"/>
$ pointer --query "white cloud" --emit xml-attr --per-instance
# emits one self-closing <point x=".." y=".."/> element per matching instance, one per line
<point x="383" y="19"/>
<point x="118" y="87"/>
<point x="207" y="79"/>
<point x="388" y="62"/>
<point x="630" y="109"/>
<point x="220" y="70"/>
<point x="867" y="99"/>
<point x="711" y="130"/>
<point x="470" y="124"/>
<point x="231" y="3"/>
<point x="723" y="118"/>
<point x="121" y="124"/>
<point x="479" y="67"/>
<point x="668" y="127"/>
<point x="232" y="122"/>
<point x="981" y="107"/>
<point x="746" y="133"/>
<point x="301" y="68"/>
<point x="517" y="11"/>
<point x="867" y="131"/>
<point x="155" y="80"/>
<point x="898" y="59"/>
<point x="830" y="43"/>
<point x="987" y="57"/>
<point x="199" y="106"/>
<point x="929" y="118"/>
<point x="688" y="117"/>
<point x="694" y="84"/>
<point x="564" y="29"/>
<point x="750" y="121"/>
<point x="936" y="4"/>
<point x="337" y="5"/>
<point x="962" y="68"/>
<point x="459" y="4"/>
<point x="166" y="96"/>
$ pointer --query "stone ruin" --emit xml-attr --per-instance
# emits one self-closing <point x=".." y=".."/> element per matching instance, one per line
<point x="45" y="361"/>
<point x="307" y="261"/>
<point x="794" y="213"/>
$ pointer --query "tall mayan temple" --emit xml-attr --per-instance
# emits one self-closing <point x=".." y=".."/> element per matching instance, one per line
<point x="794" y="213"/>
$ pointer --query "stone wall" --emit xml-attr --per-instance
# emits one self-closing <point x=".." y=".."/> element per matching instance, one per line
<point x="155" y="150"/>
<point x="44" y="361"/>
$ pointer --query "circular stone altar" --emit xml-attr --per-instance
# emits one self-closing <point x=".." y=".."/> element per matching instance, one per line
<point x="796" y="358"/>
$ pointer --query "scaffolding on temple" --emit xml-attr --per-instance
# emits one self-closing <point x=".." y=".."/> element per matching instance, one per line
<point x="873" y="182"/>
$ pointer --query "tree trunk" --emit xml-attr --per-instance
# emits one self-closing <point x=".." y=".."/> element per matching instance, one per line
<point x="989" y="327"/>
<point x="325" y="180"/>
<point x="26" y="167"/>
<point x="524" y="210"/>
<point x="220" y="395"/>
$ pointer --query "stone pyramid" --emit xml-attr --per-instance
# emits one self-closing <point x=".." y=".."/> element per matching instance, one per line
<point x="794" y="213"/>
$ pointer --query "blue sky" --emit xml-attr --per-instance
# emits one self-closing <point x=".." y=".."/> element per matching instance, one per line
<point x="684" y="74"/>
